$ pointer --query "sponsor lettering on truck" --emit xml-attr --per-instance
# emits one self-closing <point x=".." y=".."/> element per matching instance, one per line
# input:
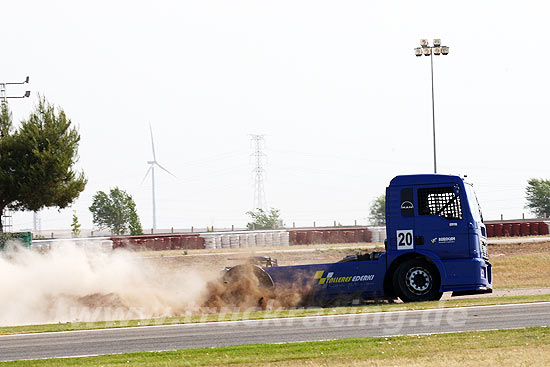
<point x="436" y="243"/>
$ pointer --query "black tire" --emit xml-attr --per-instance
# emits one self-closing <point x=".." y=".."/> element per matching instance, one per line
<point x="417" y="280"/>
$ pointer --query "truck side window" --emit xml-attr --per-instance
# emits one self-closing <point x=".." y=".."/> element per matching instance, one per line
<point x="441" y="201"/>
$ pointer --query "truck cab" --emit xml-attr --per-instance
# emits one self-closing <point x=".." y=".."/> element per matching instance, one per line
<point x="436" y="219"/>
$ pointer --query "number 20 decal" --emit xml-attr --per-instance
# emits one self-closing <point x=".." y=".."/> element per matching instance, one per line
<point x="405" y="239"/>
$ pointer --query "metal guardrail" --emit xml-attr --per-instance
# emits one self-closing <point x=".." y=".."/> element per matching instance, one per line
<point x="86" y="241"/>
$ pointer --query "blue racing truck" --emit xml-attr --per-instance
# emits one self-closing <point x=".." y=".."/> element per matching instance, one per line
<point x="436" y="242"/>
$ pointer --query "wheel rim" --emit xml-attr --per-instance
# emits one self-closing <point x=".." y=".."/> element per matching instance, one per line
<point x="418" y="280"/>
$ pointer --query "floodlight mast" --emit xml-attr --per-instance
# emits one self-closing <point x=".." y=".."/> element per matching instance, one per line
<point x="429" y="50"/>
<point x="3" y="94"/>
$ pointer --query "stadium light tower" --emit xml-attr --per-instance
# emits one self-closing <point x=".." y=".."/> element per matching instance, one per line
<point x="429" y="50"/>
<point x="4" y="97"/>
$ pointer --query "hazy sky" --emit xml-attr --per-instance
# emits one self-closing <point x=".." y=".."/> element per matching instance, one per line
<point x="334" y="85"/>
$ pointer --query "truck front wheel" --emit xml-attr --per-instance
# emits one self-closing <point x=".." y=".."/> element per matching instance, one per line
<point x="417" y="280"/>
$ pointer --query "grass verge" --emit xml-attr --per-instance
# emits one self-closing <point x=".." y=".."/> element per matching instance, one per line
<point x="257" y="315"/>
<point x="527" y="270"/>
<point x="521" y="347"/>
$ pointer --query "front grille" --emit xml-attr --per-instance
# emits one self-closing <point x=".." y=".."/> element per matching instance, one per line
<point x="484" y="250"/>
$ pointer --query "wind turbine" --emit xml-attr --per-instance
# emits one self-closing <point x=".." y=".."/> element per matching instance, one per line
<point x="151" y="169"/>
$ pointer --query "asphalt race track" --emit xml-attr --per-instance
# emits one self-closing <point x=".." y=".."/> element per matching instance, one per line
<point x="158" y="338"/>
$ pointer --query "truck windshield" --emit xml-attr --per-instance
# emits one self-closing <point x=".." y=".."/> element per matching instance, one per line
<point x="474" y="204"/>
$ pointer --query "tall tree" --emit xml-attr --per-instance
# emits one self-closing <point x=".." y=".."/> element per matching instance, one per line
<point x="6" y="123"/>
<point x="378" y="211"/>
<point x="134" y="225"/>
<point x="538" y="197"/>
<point x="116" y="211"/>
<point x="37" y="160"/>
<point x="264" y="220"/>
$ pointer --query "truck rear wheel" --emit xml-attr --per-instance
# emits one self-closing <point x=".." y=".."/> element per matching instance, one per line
<point x="417" y="280"/>
<point x="247" y="285"/>
<point x="253" y="273"/>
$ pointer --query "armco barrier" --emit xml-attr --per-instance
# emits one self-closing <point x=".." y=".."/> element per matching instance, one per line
<point x="534" y="229"/>
<point x="507" y="229"/>
<point x="292" y="236"/>
<point x="244" y="239"/>
<point x="308" y="236"/>
<point x="517" y="228"/>
<point x="525" y="229"/>
<point x="317" y="237"/>
<point x="543" y="229"/>
<point x="490" y="230"/>
<point x="302" y="236"/>
<point x="159" y="242"/>
<point x="498" y="229"/>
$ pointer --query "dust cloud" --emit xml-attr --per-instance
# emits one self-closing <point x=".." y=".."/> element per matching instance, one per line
<point x="245" y="292"/>
<point x="85" y="283"/>
<point x="75" y="283"/>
